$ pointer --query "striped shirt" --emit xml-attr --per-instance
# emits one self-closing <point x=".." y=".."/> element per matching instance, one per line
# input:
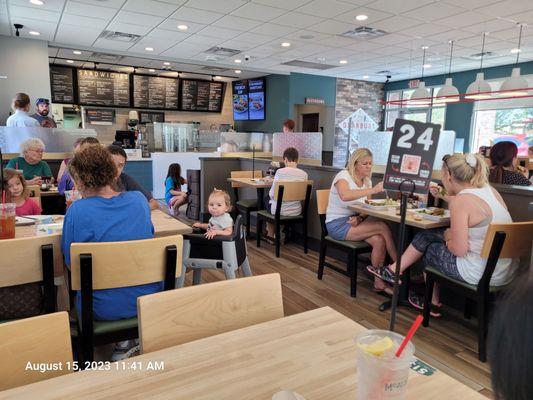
<point x="288" y="208"/>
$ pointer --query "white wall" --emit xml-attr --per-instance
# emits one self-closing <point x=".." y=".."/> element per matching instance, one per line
<point x="25" y="64"/>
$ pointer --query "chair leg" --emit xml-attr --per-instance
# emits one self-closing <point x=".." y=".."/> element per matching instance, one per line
<point x="248" y="223"/>
<point x="180" y="281"/>
<point x="278" y="238"/>
<point x="196" y="276"/>
<point x="482" y="315"/>
<point x="246" y="270"/>
<point x="428" y="294"/>
<point x="259" y="227"/>
<point x="322" y="259"/>
<point x="468" y="309"/>
<point x="352" y="268"/>
<point x="87" y="348"/>
<point x="229" y="271"/>
<point x="305" y="236"/>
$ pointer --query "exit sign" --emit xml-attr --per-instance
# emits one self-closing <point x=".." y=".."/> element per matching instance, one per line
<point x="414" y="83"/>
<point x="314" y="100"/>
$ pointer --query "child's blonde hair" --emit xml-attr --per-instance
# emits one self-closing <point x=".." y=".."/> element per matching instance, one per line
<point x="219" y="192"/>
<point x="468" y="168"/>
<point x="12" y="173"/>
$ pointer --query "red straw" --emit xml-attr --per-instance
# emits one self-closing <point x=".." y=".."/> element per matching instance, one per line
<point x="412" y="331"/>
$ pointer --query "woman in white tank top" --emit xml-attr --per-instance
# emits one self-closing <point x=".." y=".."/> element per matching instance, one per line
<point x="473" y="205"/>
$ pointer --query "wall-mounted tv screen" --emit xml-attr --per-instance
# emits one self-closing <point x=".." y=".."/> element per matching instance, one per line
<point x="249" y="99"/>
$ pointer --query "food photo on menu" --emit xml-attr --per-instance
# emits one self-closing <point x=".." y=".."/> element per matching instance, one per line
<point x="240" y="101"/>
<point x="256" y="102"/>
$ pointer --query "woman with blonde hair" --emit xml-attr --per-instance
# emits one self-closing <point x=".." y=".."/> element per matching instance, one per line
<point x="350" y="186"/>
<point x="473" y="205"/>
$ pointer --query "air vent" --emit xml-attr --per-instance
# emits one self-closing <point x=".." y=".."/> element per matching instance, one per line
<point x="363" y="32"/>
<point x="119" y="36"/>
<point x="222" y="51"/>
<point x="477" y="56"/>
<point x="111" y="58"/>
<point x="214" y="69"/>
<point x="385" y="72"/>
<point x="307" y="64"/>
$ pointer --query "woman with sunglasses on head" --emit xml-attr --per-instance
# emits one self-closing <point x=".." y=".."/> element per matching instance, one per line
<point x="473" y="205"/>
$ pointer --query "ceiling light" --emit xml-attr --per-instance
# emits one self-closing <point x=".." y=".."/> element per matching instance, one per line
<point x="217" y="77"/>
<point x="514" y="51"/>
<point x="361" y="17"/>
<point x="365" y="77"/>
<point x="166" y="63"/>
<point x="151" y="70"/>
<point x="183" y="27"/>
<point x="237" y="61"/>
<point x="426" y="66"/>
<point x="343" y="62"/>
<point x="37" y="2"/>
<point x="515" y="84"/>
<point x="448" y="93"/>
<point x="70" y="61"/>
<point x="421" y="96"/>
<point x="34" y="33"/>
<point x="238" y="71"/>
<point x="285" y="44"/>
<point x="77" y="52"/>
<point x="149" y="48"/>
<point x="478" y="89"/>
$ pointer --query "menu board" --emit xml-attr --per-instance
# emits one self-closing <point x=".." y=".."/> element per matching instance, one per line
<point x="155" y="92"/>
<point x="103" y="88"/>
<point x="198" y="95"/>
<point x="100" y="116"/>
<point x="249" y="99"/>
<point x="240" y="101"/>
<point x="62" y="84"/>
<point x="149" y="117"/>
<point x="411" y="156"/>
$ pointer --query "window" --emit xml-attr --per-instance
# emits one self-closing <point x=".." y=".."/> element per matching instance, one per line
<point x="434" y="113"/>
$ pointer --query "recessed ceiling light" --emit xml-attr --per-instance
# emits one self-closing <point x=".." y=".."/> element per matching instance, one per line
<point x="426" y="66"/>
<point x="34" y="33"/>
<point x="365" y="77"/>
<point x="514" y="51"/>
<point x="285" y="44"/>
<point x="149" y="48"/>
<point x="361" y="17"/>
<point x="343" y="62"/>
<point x="237" y="61"/>
<point x="238" y="71"/>
<point x="217" y="77"/>
<point x="70" y="61"/>
<point x="37" y="2"/>
<point x="76" y="52"/>
<point x="166" y="63"/>
<point x="183" y="27"/>
<point x="151" y="70"/>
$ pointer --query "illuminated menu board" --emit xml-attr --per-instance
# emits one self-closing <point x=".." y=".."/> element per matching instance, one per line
<point x="240" y="100"/>
<point x="249" y="99"/>
<point x="62" y="84"/>
<point x="103" y="88"/>
<point x="198" y="95"/>
<point x="155" y="92"/>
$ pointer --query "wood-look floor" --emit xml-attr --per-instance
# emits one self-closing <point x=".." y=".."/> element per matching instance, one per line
<point x="449" y="344"/>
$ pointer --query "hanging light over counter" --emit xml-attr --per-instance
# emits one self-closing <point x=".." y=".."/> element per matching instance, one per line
<point x="421" y="97"/>
<point x="515" y="85"/>
<point x="448" y="93"/>
<point x="480" y="88"/>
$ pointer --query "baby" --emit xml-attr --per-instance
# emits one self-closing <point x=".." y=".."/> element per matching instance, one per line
<point x="220" y="223"/>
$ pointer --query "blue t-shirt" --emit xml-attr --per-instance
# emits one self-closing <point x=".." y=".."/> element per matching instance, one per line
<point x="169" y="185"/>
<point x="120" y="218"/>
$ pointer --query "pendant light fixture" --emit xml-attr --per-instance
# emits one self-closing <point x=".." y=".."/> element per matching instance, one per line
<point x="420" y="96"/>
<point x="515" y="84"/>
<point x="478" y="89"/>
<point x="448" y="93"/>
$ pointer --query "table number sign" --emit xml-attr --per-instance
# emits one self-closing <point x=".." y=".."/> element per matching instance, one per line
<point x="411" y="155"/>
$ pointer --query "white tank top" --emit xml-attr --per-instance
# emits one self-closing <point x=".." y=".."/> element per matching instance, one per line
<point x="472" y="265"/>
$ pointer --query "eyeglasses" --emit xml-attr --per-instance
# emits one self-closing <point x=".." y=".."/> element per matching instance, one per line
<point x="40" y="151"/>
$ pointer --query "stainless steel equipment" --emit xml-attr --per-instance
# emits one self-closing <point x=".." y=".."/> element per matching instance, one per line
<point x="56" y="140"/>
<point x="172" y="136"/>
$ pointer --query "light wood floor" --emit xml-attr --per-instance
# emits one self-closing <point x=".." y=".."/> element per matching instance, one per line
<point x="449" y="344"/>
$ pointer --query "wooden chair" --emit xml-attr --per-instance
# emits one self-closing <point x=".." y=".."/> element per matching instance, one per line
<point x="35" y="193"/>
<point x="286" y="191"/>
<point x="29" y="260"/>
<point x="509" y="240"/>
<point x="245" y="206"/>
<point x="44" y="339"/>
<point x="195" y="312"/>
<point x="112" y="265"/>
<point x="352" y="248"/>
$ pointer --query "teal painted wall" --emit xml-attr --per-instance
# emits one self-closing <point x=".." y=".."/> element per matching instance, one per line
<point x="459" y="116"/>
<point x="304" y="85"/>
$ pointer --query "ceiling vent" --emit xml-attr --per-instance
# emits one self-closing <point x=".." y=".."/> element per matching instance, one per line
<point x="104" y="57"/>
<point x="119" y="36"/>
<point x="307" y="64"/>
<point x="477" y="56"/>
<point x="214" y="69"/>
<point x="363" y="32"/>
<point x="385" y="72"/>
<point x="222" y="51"/>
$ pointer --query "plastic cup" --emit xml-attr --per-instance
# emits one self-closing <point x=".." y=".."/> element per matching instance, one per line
<point x="7" y="220"/>
<point x="71" y="196"/>
<point x="382" y="375"/>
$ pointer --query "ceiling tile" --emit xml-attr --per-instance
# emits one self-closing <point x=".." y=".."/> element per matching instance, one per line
<point x="392" y="38"/>
<point x="238" y="45"/>
<point x="465" y="19"/>
<point x="225" y="7"/>
<point x="159" y="45"/>
<point x="298" y="20"/>
<point x="471" y="4"/>
<point x="53" y="51"/>
<point x="150" y="7"/>
<point x="176" y="36"/>
<point x="49" y="5"/>
<point x="67" y="53"/>
<point x="507" y="34"/>
<point x="396" y="23"/>
<point x="221" y="33"/>
<point x="89" y="10"/>
<point x="45" y="28"/>
<point x="255" y="38"/>
<point x="505" y="8"/>
<point x="423" y="30"/>
<point x="273" y="30"/>
<point x="88" y="22"/>
<point x="128" y="17"/>
<point x="524" y="17"/>
<point x="172" y="25"/>
<point x="397" y="7"/>
<point x="325" y="8"/>
<point x="238" y="23"/>
<point x="28" y="12"/>
<point x="195" y="15"/>
<point x="336" y="41"/>
<point x="364" y="46"/>
<point x="331" y="27"/>
<point x="203" y="40"/>
<point x="258" y="12"/>
<point x="434" y="11"/>
<point x="454" y="35"/>
<point x="493" y="25"/>
<point x="76" y="34"/>
<point x="111" y="44"/>
<point x="128" y="28"/>
<point x="116" y="4"/>
<point x="285" y="4"/>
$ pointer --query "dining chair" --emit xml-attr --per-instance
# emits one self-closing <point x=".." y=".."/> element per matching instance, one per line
<point x="35" y="193"/>
<point x="43" y="340"/>
<point x="179" y="316"/>
<point x="245" y="206"/>
<point x="111" y="265"/>
<point x="510" y="240"/>
<point x="286" y="191"/>
<point x="352" y="248"/>
<point x="29" y="264"/>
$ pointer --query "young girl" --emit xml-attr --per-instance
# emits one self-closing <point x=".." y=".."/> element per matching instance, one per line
<point x="220" y="223"/>
<point x="173" y="194"/>
<point x="18" y="193"/>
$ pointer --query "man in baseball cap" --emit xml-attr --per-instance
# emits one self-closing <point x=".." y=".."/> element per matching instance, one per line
<point x="43" y="109"/>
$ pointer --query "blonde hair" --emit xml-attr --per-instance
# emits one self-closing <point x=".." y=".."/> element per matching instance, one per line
<point x="223" y="193"/>
<point x="354" y="159"/>
<point x="13" y="173"/>
<point x="468" y="168"/>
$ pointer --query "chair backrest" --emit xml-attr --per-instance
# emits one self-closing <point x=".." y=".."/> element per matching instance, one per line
<point x="244" y="174"/>
<point x="35" y="193"/>
<point x="122" y="264"/>
<point x="322" y="201"/>
<point x="292" y="190"/>
<point x="195" y="312"/>
<point x="44" y="340"/>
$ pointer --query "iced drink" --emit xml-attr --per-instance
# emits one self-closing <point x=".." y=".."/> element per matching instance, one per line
<point x="380" y="374"/>
<point x="71" y="196"/>
<point x="7" y="220"/>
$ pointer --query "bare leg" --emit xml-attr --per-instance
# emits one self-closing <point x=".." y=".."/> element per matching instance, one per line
<point x="369" y="228"/>
<point x="409" y="257"/>
<point x="377" y="258"/>
<point x="270" y="229"/>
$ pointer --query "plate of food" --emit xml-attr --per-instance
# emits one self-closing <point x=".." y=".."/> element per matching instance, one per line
<point x="256" y="103"/>
<point x="432" y="213"/>
<point x="381" y="204"/>
<point x="240" y="103"/>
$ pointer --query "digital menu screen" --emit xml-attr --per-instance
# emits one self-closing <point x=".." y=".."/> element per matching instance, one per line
<point x="62" y="84"/>
<point x="103" y="88"/>
<point x="256" y="99"/>
<point x="240" y="101"/>
<point x="198" y="95"/>
<point x="155" y="92"/>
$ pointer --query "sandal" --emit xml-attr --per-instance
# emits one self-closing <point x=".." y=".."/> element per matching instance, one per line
<point x="417" y="301"/>
<point x="383" y="273"/>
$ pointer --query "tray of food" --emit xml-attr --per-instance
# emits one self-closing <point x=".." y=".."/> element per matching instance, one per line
<point x="432" y="213"/>
<point x="381" y="204"/>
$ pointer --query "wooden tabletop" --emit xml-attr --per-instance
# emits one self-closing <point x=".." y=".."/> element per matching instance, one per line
<point x="390" y="215"/>
<point x="311" y="353"/>
<point x="253" y="183"/>
<point x="164" y="225"/>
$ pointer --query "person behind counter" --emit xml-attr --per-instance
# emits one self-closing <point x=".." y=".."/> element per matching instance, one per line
<point x="64" y="179"/>
<point x="125" y="182"/>
<point x="31" y="161"/>
<point x="21" y="118"/>
<point x="288" y="126"/>
<point x="503" y="170"/>
<point x="43" y="109"/>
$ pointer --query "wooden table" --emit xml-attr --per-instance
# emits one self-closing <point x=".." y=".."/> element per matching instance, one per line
<point x="258" y="183"/>
<point x="311" y="353"/>
<point x="390" y="215"/>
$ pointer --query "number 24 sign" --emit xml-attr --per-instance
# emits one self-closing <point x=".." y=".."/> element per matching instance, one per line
<point x="411" y="155"/>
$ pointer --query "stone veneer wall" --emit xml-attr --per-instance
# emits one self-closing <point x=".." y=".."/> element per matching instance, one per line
<point x="352" y="95"/>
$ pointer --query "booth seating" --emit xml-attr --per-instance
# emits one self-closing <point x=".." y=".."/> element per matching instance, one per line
<point x="245" y="206"/>
<point x="509" y="240"/>
<point x="286" y="191"/>
<point x="352" y="248"/>
<point x="110" y="265"/>
<point x="179" y="316"/>
<point x="44" y="339"/>
<point x="222" y="252"/>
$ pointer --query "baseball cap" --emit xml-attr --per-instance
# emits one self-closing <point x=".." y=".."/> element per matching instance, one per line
<point x="42" y="100"/>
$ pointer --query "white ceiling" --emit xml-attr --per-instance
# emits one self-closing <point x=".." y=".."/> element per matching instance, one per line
<point x="258" y="27"/>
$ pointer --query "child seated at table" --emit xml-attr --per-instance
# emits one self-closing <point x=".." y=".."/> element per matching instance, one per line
<point x="174" y="197"/>
<point x="220" y="223"/>
<point x="19" y="193"/>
